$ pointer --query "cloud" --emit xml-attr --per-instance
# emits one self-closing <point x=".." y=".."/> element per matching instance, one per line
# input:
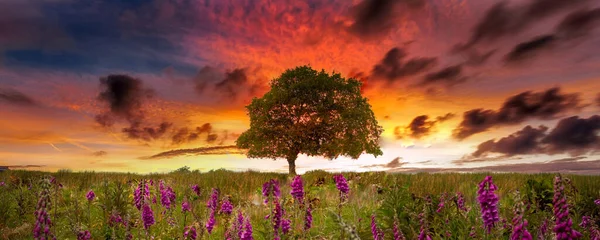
<point x="124" y="96"/>
<point x="598" y="99"/>
<point x="16" y="97"/>
<point x="502" y="20"/>
<point x="99" y="154"/>
<point x="216" y="150"/>
<point x="574" y="135"/>
<point x="393" y="66"/>
<point x="239" y="84"/>
<point x="516" y="109"/>
<point x="420" y="126"/>
<point x="529" y="48"/>
<point x="578" y="23"/>
<point x="395" y="163"/>
<point x="376" y="18"/>
<point x="573" y="166"/>
<point x="136" y="131"/>
<point x="184" y="134"/>
<point x="447" y="76"/>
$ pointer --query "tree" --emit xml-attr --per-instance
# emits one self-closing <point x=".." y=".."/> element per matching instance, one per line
<point x="312" y="113"/>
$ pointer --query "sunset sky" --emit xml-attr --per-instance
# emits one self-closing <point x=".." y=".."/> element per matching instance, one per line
<point x="456" y="84"/>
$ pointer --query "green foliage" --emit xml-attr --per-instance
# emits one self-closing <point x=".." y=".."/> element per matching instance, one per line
<point x="313" y="113"/>
<point x="540" y="193"/>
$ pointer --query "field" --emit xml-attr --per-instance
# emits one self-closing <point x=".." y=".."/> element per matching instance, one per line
<point x="377" y="205"/>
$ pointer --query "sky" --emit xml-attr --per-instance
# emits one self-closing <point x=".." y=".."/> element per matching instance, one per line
<point x="154" y="85"/>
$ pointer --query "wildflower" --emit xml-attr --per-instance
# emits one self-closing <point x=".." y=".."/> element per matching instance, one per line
<point x="543" y="229"/>
<point x="43" y="222"/>
<point x="247" y="235"/>
<point x="286" y="225"/>
<point x="141" y="193"/>
<point x="472" y="233"/>
<point x="213" y="200"/>
<point x="488" y="201"/>
<point x="377" y="233"/>
<point x="563" y="222"/>
<point x="226" y="206"/>
<point x="240" y="224"/>
<point x="196" y="189"/>
<point x="90" y="195"/>
<point x="2" y="184"/>
<point x="115" y="218"/>
<point x="210" y="223"/>
<point x="597" y="201"/>
<point x="308" y="219"/>
<point x="396" y="229"/>
<point x="190" y="233"/>
<point x="460" y="201"/>
<point x="147" y="216"/>
<point x="341" y="184"/>
<point x="423" y="235"/>
<point x="276" y="220"/>
<point x="167" y="196"/>
<point x="588" y="223"/>
<point x="185" y="206"/>
<point x="84" y="235"/>
<point x="271" y="188"/>
<point x="298" y="189"/>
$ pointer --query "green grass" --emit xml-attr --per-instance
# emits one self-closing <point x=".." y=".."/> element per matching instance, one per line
<point x="389" y="196"/>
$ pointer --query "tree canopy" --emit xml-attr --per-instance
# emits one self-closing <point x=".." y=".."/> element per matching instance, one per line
<point x="312" y="113"/>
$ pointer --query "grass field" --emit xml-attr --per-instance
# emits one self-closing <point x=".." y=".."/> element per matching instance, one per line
<point x="418" y="204"/>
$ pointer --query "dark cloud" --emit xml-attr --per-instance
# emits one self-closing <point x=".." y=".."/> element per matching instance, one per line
<point x="393" y="66"/>
<point x="578" y="23"/>
<point x="231" y="149"/>
<point x="420" y="126"/>
<point x="574" y="135"/>
<point x="598" y="99"/>
<point x="548" y="104"/>
<point x="525" y="141"/>
<point x="475" y="58"/>
<point x="375" y="18"/>
<point x="205" y="76"/>
<point x="233" y="85"/>
<point x="502" y="20"/>
<point x="136" y="131"/>
<point x="211" y="138"/>
<point x="124" y="96"/>
<point x="578" y="167"/>
<point x="395" y="163"/>
<point x="236" y="81"/>
<point x="447" y="76"/>
<point x="16" y="97"/>
<point x="184" y="134"/>
<point x="99" y="153"/>
<point x="528" y="49"/>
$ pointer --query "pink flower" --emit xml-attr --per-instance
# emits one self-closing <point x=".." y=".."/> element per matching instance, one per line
<point x="90" y="195"/>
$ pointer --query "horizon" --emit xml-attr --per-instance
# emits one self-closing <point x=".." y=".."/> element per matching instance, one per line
<point x="465" y="86"/>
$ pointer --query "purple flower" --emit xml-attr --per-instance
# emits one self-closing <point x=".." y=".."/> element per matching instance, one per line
<point x="488" y="201"/>
<point x="90" y="195"/>
<point x="213" y="201"/>
<point x="563" y="222"/>
<point x="286" y="225"/>
<point x="226" y="206"/>
<point x="423" y="235"/>
<point x="2" y="184"/>
<point x="543" y="229"/>
<point x="190" y="233"/>
<point x="460" y="201"/>
<point x="210" y="224"/>
<point x="240" y="224"/>
<point x="298" y="189"/>
<point x="377" y="233"/>
<point x="342" y="186"/>
<point x="519" y="231"/>
<point x="196" y="189"/>
<point x="141" y="193"/>
<point x="43" y="222"/>
<point x="115" y="218"/>
<point x="185" y="206"/>
<point x="84" y="235"/>
<point x="167" y="196"/>
<point x="276" y="220"/>
<point x="308" y="219"/>
<point x="597" y="201"/>
<point x="247" y="235"/>
<point x="271" y="188"/>
<point x="147" y="216"/>
<point x="397" y="233"/>
<point x="588" y="223"/>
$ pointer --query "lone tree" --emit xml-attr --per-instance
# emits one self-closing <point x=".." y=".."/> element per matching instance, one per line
<point x="313" y="113"/>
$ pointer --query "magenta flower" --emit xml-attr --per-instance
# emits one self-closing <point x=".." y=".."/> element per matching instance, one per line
<point x="460" y="202"/>
<point x="271" y="188"/>
<point x="276" y="220"/>
<point x="210" y="223"/>
<point x="226" y="206"/>
<point x="90" y="195"/>
<point x="519" y="231"/>
<point x="597" y="201"/>
<point x="115" y="219"/>
<point x="488" y="201"/>
<point x="308" y="219"/>
<point x="185" y="206"/>
<point x="167" y="195"/>
<point x="543" y="229"/>
<point x="396" y="230"/>
<point x="147" y="216"/>
<point x="141" y="194"/>
<point x="341" y="184"/>
<point x="298" y="189"/>
<point x="247" y="235"/>
<point x="588" y="223"/>
<point x="240" y="224"/>
<point x="286" y="225"/>
<point x="84" y="235"/>
<point x="2" y="184"/>
<point x="213" y="201"/>
<point x="43" y="222"/>
<point x="423" y="235"/>
<point x="562" y="222"/>
<point x="190" y="233"/>
<point x="377" y="232"/>
<point x="196" y="189"/>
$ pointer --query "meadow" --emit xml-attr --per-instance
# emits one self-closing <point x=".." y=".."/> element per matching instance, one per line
<point x="222" y="204"/>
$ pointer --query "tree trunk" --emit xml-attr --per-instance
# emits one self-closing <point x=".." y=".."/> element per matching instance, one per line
<point x="292" y="164"/>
